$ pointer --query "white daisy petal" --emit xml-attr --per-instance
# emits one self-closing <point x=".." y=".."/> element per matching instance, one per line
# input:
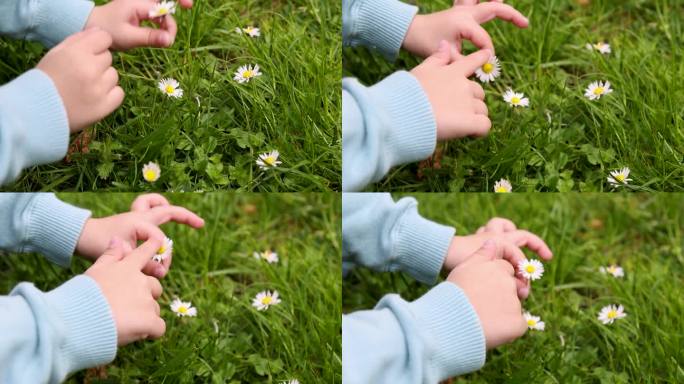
<point x="503" y="186"/>
<point x="613" y="270"/>
<point x="516" y="99"/>
<point x="182" y="308"/>
<point x="263" y="300"/>
<point x="246" y="73"/>
<point x="268" y="160"/>
<point x="610" y="313"/>
<point x="597" y="89"/>
<point x="151" y="172"/>
<point x="489" y="71"/>
<point x="163" y="8"/>
<point x="534" y="322"/>
<point x="531" y="269"/>
<point x="171" y="88"/>
<point x="165" y="251"/>
<point x="619" y="177"/>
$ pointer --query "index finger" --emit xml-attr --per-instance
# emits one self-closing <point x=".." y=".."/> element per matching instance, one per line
<point x="532" y="242"/>
<point x="148" y="201"/>
<point x="485" y="12"/>
<point x="141" y="255"/>
<point x="469" y="64"/>
<point x="161" y="215"/>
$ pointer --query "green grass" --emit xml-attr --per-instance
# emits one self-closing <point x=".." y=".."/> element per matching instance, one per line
<point x="230" y="341"/>
<point x="642" y="233"/>
<point x="210" y="139"/>
<point x="639" y="126"/>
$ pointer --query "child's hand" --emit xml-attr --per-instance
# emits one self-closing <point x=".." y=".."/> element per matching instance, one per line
<point x="122" y="19"/>
<point x="148" y="201"/>
<point x="457" y="102"/>
<point x="131" y="294"/>
<point x="490" y="285"/>
<point x="505" y="233"/>
<point x="132" y="227"/>
<point x="81" y="69"/>
<point x="456" y="24"/>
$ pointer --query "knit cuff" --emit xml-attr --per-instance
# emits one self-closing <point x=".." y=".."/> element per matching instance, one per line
<point x="421" y="245"/>
<point x="408" y="120"/>
<point x="54" y="228"/>
<point x="456" y="339"/>
<point x="56" y="20"/>
<point x="380" y="25"/>
<point x="87" y="325"/>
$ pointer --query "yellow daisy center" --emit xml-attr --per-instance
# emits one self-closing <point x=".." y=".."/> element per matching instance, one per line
<point x="267" y="300"/>
<point x="249" y="29"/>
<point x="599" y="91"/>
<point x="183" y="309"/>
<point x="169" y="89"/>
<point x="612" y="269"/>
<point x="501" y="189"/>
<point x="488" y="68"/>
<point x="529" y="268"/>
<point x="515" y="100"/>
<point x="247" y="74"/>
<point x="150" y="175"/>
<point x="531" y="323"/>
<point x="270" y="160"/>
<point x="161" y="250"/>
<point x="162" y="11"/>
<point x="612" y="314"/>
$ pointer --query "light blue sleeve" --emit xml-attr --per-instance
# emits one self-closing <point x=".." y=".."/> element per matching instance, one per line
<point x="377" y="24"/>
<point x="47" y="21"/>
<point x="387" y="124"/>
<point x="392" y="236"/>
<point x="47" y="335"/>
<point x="431" y="339"/>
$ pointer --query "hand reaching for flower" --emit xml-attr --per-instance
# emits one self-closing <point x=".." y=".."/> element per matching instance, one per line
<point x="457" y="103"/>
<point x="122" y="19"/>
<point x="509" y="237"/>
<point x="461" y="22"/>
<point x="132" y="296"/>
<point x="141" y="224"/>
<point x="488" y="280"/>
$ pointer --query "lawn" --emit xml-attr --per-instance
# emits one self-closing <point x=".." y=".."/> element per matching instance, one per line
<point x="565" y="142"/>
<point x="211" y="137"/>
<point x="641" y="232"/>
<point x="230" y="341"/>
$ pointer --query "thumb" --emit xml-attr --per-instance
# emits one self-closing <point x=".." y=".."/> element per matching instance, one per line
<point x="113" y="253"/>
<point x="489" y="251"/>
<point x="442" y="56"/>
<point x="469" y="64"/>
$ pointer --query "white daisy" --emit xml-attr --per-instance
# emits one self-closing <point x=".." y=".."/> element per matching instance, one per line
<point x="516" y="99"/>
<point x="164" y="251"/>
<point x="171" y="88"/>
<point x="531" y="269"/>
<point x="610" y="313"/>
<point x="600" y="46"/>
<point x="151" y="172"/>
<point x="249" y="30"/>
<point x="162" y="9"/>
<point x="597" y="89"/>
<point x="534" y="322"/>
<point x="265" y="299"/>
<point x="182" y="308"/>
<point x="619" y="177"/>
<point x="269" y="160"/>
<point x="489" y="71"/>
<point x="293" y="381"/>
<point x="270" y="257"/>
<point x="613" y="270"/>
<point x="246" y="73"/>
<point x="503" y="186"/>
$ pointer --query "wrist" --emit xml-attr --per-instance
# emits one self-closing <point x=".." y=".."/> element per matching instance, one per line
<point x="453" y="257"/>
<point x="85" y="247"/>
<point x="411" y="41"/>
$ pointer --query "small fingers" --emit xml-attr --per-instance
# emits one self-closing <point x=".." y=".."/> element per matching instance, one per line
<point x="161" y="215"/>
<point x="478" y="36"/>
<point x="505" y="266"/>
<point x="148" y="201"/>
<point x="155" y="286"/>
<point x="488" y="11"/>
<point x="499" y="224"/>
<point x="112" y="100"/>
<point x="477" y="125"/>
<point x="110" y="78"/>
<point x="532" y="242"/>
<point x="480" y="108"/>
<point x="478" y="91"/>
<point x="157" y="327"/>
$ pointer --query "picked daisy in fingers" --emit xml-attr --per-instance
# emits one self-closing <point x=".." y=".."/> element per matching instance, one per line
<point x="249" y="30"/>
<point x="534" y="322"/>
<point x="610" y="313"/>
<point x="171" y="88"/>
<point x="516" y="99"/>
<point x="503" y="186"/>
<point x="269" y="160"/>
<point x="151" y="172"/>
<point x="270" y="257"/>
<point x="531" y="269"/>
<point x="265" y="299"/>
<point x="602" y="47"/>
<point x="619" y="177"/>
<point x="164" y="251"/>
<point x="183" y="308"/>
<point x="489" y="71"/>
<point x="246" y="73"/>
<point x="613" y="270"/>
<point x="162" y="9"/>
<point x="597" y="89"/>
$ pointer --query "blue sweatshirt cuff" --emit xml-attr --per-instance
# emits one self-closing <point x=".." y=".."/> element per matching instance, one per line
<point x="378" y="24"/>
<point x="408" y="118"/>
<point x="34" y="124"/>
<point x="421" y="245"/>
<point x="456" y="339"/>
<point x="54" y="21"/>
<point x="54" y="227"/>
